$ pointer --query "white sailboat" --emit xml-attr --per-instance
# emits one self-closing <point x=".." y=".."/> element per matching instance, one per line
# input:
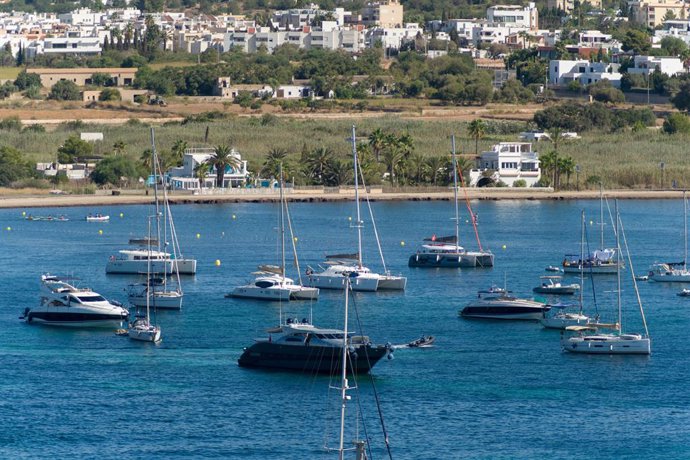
<point x="272" y="284"/>
<point x="564" y="319"/>
<point x="446" y="252"/>
<point x="669" y="272"/>
<point x="165" y="294"/>
<point x="618" y="343"/>
<point x="142" y="329"/>
<point x="602" y="261"/>
<point x="331" y="276"/>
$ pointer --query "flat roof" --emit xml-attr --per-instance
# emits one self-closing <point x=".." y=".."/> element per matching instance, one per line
<point x="84" y="70"/>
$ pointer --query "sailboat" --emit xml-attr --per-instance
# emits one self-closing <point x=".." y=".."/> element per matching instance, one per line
<point x="618" y="343"/>
<point x="446" y="251"/>
<point x="331" y="276"/>
<point x="136" y="261"/>
<point x="668" y="272"/>
<point x="163" y="293"/>
<point x="301" y="346"/>
<point x="603" y="261"/>
<point x="563" y="319"/>
<point x="141" y="329"/>
<point x="271" y="282"/>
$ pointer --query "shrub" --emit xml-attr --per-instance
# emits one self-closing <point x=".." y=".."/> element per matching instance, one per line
<point x="677" y="123"/>
<point x="65" y="90"/>
<point x="74" y="148"/>
<point x="520" y="183"/>
<point x="110" y="94"/>
<point x="111" y="169"/>
<point x="602" y="91"/>
<point x="11" y="124"/>
<point x="27" y="80"/>
<point x="575" y="86"/>
<point x="35" y="128"/>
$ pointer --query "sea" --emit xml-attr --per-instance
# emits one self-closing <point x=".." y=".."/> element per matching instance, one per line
<point x="485" y="390"/>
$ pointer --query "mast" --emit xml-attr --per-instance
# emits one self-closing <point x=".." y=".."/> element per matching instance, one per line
<point x="282" y="228"/>
<point x="601" y="216"/>
<point x="618" y="274"/>
<point x="455" y="195"/>
<point x="148" y="275"/>
<point x="685" y="230"/>
<point x="343" y="370"/>
<point x="582" y="258"/>
<point x="358" y="223"/>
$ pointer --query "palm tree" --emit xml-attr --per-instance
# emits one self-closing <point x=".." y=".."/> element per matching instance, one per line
<point x="476" y="130"/>
<point x="556" y="137"/>
<point x="549" y="163"/>
<point x="436" y="166"/>
<point x="463" y="165"/>
<point x="145" y="159"/>
<point x="220" y="159"/>
<point x="118" y="147"/>
<point x="377" y="141"/>
<point x="317" y="163"/>
<point x="418" y="167"/>
<point x="200" y="171"/>
<point x="392" y="158"/>
<point x="339" y="172"/>
<point x="177" y="151"/>
<point x="272" y="164"/>
<point x="566" y="165"/>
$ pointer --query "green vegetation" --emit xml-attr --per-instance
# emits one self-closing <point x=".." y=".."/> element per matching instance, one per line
<point x="65" y="90"/>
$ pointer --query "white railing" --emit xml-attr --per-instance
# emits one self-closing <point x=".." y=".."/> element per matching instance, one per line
<point x="241" y="191"/>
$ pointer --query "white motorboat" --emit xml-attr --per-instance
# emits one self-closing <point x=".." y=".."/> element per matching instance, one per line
<point x="63" y="304"/>
<point x="552" y="285"/>
<point x="446" y="252"/>
<point x="331" y="276"/>
<point x="684" y="293"/>
<point x="618" y="343"/>
<point x="271" y="283"/>
<point x="674" y="272"/>
<point x="97" y="218"/>
<point x="501" y="305"/>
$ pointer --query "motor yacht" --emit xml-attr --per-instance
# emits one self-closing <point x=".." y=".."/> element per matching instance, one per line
<point x="501" y="305"/>
<point x="301" y="346"/>
<point x="63" y="304"/>
<point x="552" y="285"/>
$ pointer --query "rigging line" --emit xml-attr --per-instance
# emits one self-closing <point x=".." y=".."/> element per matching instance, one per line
<point x="364" y="425"/>
<point x="294" y="244"/>
<point x="373" y="385"/>
<point x="632" y="273"/>
<point x="371" y="215"/>
<point x="591" y="274"/>
<point x="469" y="207"/>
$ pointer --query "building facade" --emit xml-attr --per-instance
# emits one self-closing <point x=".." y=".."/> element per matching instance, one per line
<point x="507" y="162"/>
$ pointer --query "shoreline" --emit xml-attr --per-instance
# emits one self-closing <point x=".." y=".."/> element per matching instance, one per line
<point x="8" y="201"/>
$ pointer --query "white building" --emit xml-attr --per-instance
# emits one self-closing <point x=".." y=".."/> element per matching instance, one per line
<point x="507" y="162"/>
<point x="526" y="17"/>
<point x="391" y="37"/>
<point x="563" y="72"/>
<point x="186" y="177"/>
<point x="646" y="65"/>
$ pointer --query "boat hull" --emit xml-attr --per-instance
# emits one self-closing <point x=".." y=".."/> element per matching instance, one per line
<point x="275" y="294"/>
<point x="159" y="300"/>
<point x="310" y="359"/>
<point x="609" y="345"/>
<point x="563" y="290"/>
<point x="359" y="283"/>
<point x="682" y="278"/>
<point x="452" y="260"/>
<point x="605" y="269"/>
<point x="514" y="312"/>
<point x="65" y="319"/>
<point x="140" y="335"/>
<point x="135" y="267"/>
<point x="563" y="321"/>
<point x="392" y="283"/>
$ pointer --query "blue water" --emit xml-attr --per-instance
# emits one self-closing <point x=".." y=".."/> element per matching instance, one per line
<point x="487" y="390"/>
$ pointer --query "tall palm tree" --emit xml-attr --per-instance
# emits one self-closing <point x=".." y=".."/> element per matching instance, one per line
<point x="220" y="159"/>
<point x="200" y="171"/>
<point x="316" y="164"/>
<point x="145" y="159"/>
<point x="436" y="165"/>
<point x="177" y="151"/>
<point x="566" y="165"/>
<point x="549" y="164"/>
<point x="377" y="141"/>
<point x="272" y="164"/>
<point x="392" y="158"/>
<point x="418" y="167"/>
<point x="476" y="130"/>
<point x="339" y="172"/>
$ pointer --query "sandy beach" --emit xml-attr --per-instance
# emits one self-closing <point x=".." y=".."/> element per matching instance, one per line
<point x="108" y="198"/>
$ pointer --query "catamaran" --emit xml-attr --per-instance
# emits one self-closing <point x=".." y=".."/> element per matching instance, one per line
<point x="331" y="276"/>
<point x="674" y="272"/>
<point x="446" y="251"/>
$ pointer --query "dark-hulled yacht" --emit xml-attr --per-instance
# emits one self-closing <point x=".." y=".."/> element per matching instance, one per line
<point x="304" y="347"/>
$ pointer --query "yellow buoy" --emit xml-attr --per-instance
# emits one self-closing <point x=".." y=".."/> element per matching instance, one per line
<point x="100" y="232"/>
<point x="198" y="235"/>
<point x="349" y="218"/>
<point x="23" y="213"/>
<point x="504" y="246"/>
<point x="9" y="229"/>
<point x="234" y="216"/>
<point x="402" y="243"/>
<point x="591" y="222"/>
<point x="122" y="214"/>
<point x="295" y="239"/>
<point x="217" y="263"/>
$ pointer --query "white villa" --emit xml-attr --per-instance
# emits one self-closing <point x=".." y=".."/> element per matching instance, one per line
<point x="562" y="72"/>
<point x="186" y="178"/>
<point x="507" y="162"/>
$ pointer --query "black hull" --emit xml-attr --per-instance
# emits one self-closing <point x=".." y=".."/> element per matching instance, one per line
<point x="310" y="359"/>
<point x="71" y="318"/>
<point x="450" y="261"/>
<point x="507" y="312"/>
